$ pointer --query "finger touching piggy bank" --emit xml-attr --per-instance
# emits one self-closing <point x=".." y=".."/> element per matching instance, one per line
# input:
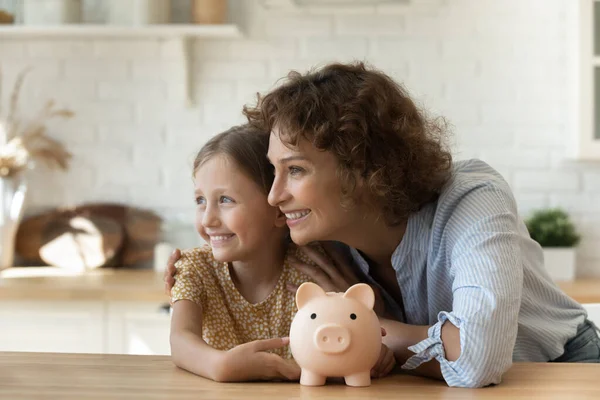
<point x="335" y="334"/>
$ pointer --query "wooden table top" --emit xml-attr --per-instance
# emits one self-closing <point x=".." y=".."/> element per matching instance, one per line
<point x="98" y="376"/>
<point x="51" y="283"/>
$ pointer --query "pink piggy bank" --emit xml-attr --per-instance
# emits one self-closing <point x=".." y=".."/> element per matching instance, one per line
<point x="335" y="334"/>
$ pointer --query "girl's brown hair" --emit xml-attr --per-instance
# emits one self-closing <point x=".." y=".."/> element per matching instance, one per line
<point x="245" y="145"/>
<point x="371" y="125"/>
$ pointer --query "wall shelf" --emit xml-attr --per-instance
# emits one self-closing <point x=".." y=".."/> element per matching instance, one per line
<point x="183" y="33"/>
<point x="117" y="31"/>
<point x="330" y="4"/>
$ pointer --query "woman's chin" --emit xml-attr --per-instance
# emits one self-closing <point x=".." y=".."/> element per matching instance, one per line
<point x="301" y="238"/>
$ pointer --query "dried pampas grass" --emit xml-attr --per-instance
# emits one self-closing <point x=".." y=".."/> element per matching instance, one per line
<point x="23" y="143"/>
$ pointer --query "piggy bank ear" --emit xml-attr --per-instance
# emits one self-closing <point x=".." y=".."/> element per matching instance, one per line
<point x="306" y="292"/>
<point x="363" y="293"/>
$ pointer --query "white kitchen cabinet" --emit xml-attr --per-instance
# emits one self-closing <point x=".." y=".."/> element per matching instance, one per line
<point x="138" y="328"/>
<point x="593" y="312"/>
<point x="124" y="327"/>
<point x="52" y="326"/>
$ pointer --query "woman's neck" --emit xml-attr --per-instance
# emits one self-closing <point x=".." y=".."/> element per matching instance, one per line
<point x="256" y="277"/>
<point x="376" y="240"/>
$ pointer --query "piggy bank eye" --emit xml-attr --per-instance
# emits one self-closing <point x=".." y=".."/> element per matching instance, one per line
<point x="352" y="316"/>
<point x="313" y="316"/>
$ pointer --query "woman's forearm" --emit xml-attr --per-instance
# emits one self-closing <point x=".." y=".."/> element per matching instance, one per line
<point x="193" y="354"/>
<point x="400" y="336"/>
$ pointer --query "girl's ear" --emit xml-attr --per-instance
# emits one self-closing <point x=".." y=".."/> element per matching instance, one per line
<point x="280" y="219"/>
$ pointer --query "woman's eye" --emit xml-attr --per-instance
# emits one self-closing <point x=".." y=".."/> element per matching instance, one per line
<point x="295" y="170"/>
<point x="200" y="200"/>
<point x="225" y="199"/>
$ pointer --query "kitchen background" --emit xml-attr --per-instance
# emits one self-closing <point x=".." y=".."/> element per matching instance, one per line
<point x="506" y="74"/>
<point x="503" y="72"/>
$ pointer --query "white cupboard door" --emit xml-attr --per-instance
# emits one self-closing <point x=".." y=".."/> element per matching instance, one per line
<point x="138" y="328"/>
<point x="52" y="326"/>
<point x="593" y="312"/>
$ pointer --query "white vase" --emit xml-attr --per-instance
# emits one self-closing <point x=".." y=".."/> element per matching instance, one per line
<point x="12" y="197"/>
<point x="560" y="263"/>
<point x="139" y="12"/>
<point x="51" y="12"/>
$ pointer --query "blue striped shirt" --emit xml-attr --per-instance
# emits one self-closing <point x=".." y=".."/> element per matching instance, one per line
<point x="468" y="258"/>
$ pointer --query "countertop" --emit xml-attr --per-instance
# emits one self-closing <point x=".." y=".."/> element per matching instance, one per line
<point x="97" y="376"/>
<point x="51" y="283"/>
<point x="583" y="290"/>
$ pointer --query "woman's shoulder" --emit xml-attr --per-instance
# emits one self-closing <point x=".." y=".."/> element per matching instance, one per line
<point x="473" y="172"/>
<point x="475" y="193"/>
<point x="474" y="178"/>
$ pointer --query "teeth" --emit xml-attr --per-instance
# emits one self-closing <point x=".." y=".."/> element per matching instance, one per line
<point x="297" y="215"/>
<point x="220" y="237"/>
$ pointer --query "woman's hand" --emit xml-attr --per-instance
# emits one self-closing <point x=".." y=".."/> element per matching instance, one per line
<point x="251" y="361"/>
<point x="385" y="363"/>
<point x="332" y="272"/>
<point x="169" y="275"/>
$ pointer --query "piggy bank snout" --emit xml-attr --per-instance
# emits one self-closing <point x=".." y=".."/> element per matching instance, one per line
<point x="332" y="338"/>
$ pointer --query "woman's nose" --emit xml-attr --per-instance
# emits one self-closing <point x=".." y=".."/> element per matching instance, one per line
<point x="275" y="197"/>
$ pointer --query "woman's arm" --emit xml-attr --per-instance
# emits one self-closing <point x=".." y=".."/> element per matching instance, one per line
<point x="483" y="247"/>
<point x="401" y="336"/>
<point x="473" y="341"/>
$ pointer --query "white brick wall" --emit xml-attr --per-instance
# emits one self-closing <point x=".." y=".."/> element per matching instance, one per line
<point x="498" y="70"/>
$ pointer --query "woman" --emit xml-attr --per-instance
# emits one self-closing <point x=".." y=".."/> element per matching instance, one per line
<point x="464" y="287"/>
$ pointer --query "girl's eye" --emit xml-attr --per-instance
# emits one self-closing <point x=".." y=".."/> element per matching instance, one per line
<point x="295" y="170"/>
<point x="225" y="199"/>
<point x="200" y="200"/>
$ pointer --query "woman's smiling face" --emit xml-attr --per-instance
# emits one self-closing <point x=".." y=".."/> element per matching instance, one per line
<point x="307" y="189"/>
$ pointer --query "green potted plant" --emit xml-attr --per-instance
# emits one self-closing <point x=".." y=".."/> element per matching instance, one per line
<point x="555" y="232"/>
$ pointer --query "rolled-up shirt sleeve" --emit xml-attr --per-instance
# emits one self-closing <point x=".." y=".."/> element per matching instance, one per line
<point x="488" y="278"/>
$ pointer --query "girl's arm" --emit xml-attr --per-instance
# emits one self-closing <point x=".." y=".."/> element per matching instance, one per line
<point x="188" y="350"/>
<point x="246" y="362"/>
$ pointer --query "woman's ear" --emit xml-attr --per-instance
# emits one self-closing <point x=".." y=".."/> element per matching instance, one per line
<point x="280" y="218"/>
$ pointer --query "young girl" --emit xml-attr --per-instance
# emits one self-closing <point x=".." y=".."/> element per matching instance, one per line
<point x="232" y="309"/>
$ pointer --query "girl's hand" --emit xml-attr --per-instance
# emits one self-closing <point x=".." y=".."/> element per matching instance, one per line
<point x="332" y="272"/>
<point x="385" y="364"/>
<point x="169" y="275"/>
<point x="251" y="362"/>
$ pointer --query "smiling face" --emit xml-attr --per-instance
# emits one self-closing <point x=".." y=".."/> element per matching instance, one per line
<point x="307" y="189"/>
<point x="232" y="212"/>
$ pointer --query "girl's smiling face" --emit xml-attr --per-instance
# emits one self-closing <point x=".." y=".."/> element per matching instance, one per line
<point x="232" y="212"/>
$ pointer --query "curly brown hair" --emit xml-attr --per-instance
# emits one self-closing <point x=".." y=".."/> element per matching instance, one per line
<point x="371" y="125"/>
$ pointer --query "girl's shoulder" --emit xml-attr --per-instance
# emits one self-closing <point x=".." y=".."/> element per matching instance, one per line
<point x="199" y="258"/>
